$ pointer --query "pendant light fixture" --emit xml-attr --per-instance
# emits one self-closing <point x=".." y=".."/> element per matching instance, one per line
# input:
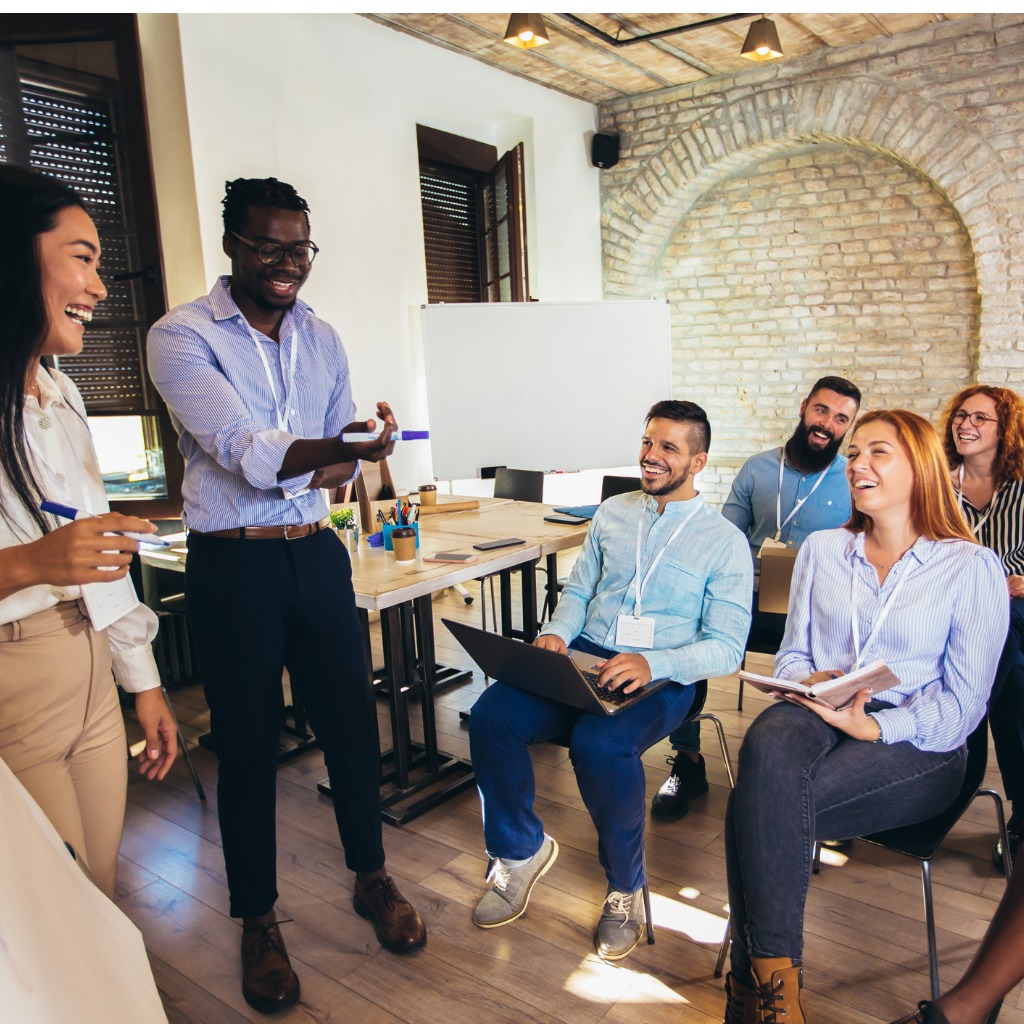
<point x="762" y="41"/>
<point x="526" y="31"/>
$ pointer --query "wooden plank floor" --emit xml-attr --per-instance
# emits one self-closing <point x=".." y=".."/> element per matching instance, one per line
<point x="865" y="950"/>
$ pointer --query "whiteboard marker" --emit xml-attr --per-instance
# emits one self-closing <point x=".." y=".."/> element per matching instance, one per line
<point x="398" y="435"/>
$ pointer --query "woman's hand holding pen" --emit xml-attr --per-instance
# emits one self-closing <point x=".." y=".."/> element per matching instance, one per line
<point x="381" y="447"/>
<point x="85" y="551"/>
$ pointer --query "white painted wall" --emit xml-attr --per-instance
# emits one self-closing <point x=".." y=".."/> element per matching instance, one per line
<point x="334" y="111"/>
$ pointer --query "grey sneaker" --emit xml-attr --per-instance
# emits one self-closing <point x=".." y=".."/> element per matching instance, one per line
<point x="511" y="885"/>
<point x="621" y="925"/>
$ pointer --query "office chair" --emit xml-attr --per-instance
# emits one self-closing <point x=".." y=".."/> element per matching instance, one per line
<point x="516" y="485"/>
<point x="618" y="485"/>
<point x="923" y="839"/>
<point x="696" y="714"/>
<point x="610" y="485"/>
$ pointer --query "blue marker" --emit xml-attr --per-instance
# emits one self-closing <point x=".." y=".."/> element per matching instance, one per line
<point x="398" y="435"/>
<point x="67" y="512"/>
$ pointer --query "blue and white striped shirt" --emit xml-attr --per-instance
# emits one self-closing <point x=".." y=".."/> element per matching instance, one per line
<point x="204" y="362"/>
<point x="698" y="595"/>
<point x="942" y="640"/>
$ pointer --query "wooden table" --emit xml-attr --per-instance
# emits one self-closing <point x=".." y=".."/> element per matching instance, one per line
<point x="402" y="595"/>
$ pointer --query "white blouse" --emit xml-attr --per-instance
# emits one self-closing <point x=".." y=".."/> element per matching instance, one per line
<point x="64" y="460"/>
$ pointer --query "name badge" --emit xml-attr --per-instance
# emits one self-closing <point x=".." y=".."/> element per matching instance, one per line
<point x="770" y="542"/>
<point x="634" y="631"/>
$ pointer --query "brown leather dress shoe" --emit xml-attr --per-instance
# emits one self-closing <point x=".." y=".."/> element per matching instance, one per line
<point x="268" y="981"/>
<point x="398" y="925"/>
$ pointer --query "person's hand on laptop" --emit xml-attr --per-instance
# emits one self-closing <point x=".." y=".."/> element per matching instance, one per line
<point x="626" y="671"/>
<point x="551" y="642"/>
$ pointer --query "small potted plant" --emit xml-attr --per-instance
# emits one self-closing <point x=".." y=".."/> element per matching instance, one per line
<point x="343" y="520"/>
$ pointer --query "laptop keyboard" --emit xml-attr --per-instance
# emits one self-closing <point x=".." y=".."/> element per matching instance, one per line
<point x="608" y="696"/>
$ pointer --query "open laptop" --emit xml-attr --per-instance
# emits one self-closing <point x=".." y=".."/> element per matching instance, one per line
<point x="568" y="679"/>
<point x="776" y="577"/>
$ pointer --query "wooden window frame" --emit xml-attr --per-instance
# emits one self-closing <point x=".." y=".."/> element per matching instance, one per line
<point x="122" y="31"/>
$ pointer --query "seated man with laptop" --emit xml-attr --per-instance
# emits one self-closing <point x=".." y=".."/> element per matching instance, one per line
<point x="778" y="498"/>
<point x="660" y="591"/>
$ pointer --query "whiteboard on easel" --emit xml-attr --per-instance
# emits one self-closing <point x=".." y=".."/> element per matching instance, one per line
<point x="542" y="385"/>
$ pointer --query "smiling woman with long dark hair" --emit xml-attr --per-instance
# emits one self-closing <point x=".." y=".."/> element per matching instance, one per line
<point x="904" y="582"/>
<point x="60" y="721"/>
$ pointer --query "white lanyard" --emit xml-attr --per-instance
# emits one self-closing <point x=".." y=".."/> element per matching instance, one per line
<point x="882" y="615"/>
<point x="58" y="479"/>
<point x="779" y="521"/>
<point x="641" y="584"/>
<point x="976" y="529"/>
<point x="289" y="378"/>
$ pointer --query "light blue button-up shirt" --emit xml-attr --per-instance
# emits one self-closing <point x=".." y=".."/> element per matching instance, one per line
<point x="204" y="362"/>
<point x="698" y="595"/>
<point x="751" y="505"/>
<point x="942" y="638"/>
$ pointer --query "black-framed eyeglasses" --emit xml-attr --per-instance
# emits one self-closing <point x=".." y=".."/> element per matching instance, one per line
<point x="976" y="418"/>
<point x="269" y="253"/>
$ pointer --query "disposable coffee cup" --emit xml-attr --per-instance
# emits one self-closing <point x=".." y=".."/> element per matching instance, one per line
<point x="403" y="540"/>
<point x="428" y="494"/>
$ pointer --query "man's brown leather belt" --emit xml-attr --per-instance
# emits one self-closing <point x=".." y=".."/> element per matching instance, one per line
<point x="268" y="532"/>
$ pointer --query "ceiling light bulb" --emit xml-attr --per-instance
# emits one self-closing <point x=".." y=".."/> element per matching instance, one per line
<point x="526" y="31"/>
<point x="762" y="42"/>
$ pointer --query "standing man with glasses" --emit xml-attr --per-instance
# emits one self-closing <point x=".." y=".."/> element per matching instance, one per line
<point x="258" y="389"/>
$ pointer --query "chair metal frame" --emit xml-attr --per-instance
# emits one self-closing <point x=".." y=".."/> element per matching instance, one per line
<point x="922" y="841"/>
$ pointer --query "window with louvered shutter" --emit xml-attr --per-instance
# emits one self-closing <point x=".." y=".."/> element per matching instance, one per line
<point x="72" y="132"/>
<point x="474" y="219"/>
<point x="71" y="105"/>
<point x="450" y="233"/>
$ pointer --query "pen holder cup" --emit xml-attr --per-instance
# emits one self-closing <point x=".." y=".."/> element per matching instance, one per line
<point x="388" y="527"/>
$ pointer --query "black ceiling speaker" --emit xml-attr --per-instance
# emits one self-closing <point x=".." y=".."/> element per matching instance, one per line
<point x="604" y="150"/>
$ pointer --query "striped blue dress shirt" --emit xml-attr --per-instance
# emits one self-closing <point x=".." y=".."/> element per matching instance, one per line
<point x="942" y="639"/>
<point x="204" y="362"/>
<point x="698" y="595"/>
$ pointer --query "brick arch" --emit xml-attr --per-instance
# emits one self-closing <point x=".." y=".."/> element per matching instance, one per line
<point x="638" y="223"/>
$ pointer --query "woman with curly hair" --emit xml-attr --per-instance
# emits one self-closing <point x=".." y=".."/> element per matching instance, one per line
<point x="983" y="434"/>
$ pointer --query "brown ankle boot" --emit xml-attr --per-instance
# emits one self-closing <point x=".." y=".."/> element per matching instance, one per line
<point x="779" y="982"/>
<point x="741" y="1003"/>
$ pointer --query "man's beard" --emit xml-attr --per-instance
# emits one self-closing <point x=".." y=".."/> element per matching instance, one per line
<point x="665" y="484"/>
<point x="806" y="458"/>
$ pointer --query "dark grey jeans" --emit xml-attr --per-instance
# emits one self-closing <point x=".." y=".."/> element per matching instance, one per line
<point x="800" y="780"/>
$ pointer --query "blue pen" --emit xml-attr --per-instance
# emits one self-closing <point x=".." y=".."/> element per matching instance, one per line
<point x="398" y="435"/>
<point x="67" y="512"/>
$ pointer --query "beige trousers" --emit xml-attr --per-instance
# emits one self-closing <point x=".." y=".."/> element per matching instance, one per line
<point x="61" y="730"/>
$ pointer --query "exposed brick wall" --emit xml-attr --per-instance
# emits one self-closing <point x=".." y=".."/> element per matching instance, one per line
<point x="891" y="175"/>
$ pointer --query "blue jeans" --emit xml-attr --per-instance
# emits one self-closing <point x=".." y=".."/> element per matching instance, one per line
<point x="800" y="780"/>
<point x="766" y="630"/>
<point x="605" y="754"/>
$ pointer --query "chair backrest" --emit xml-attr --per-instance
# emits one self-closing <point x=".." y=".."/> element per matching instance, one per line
<point x="922" y="839"/>
<point x="618" y="485"/>
<point x="519" y="484"/>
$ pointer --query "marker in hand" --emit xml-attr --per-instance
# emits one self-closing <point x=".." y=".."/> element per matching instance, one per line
<point x="398" y="435"/>
<point x="67" y="512"/>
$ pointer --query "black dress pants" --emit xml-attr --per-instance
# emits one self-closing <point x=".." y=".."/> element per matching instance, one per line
<point x="256" y="607"/>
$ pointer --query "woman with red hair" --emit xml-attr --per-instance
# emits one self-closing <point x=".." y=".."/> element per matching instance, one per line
<point x="905" y="583"/>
